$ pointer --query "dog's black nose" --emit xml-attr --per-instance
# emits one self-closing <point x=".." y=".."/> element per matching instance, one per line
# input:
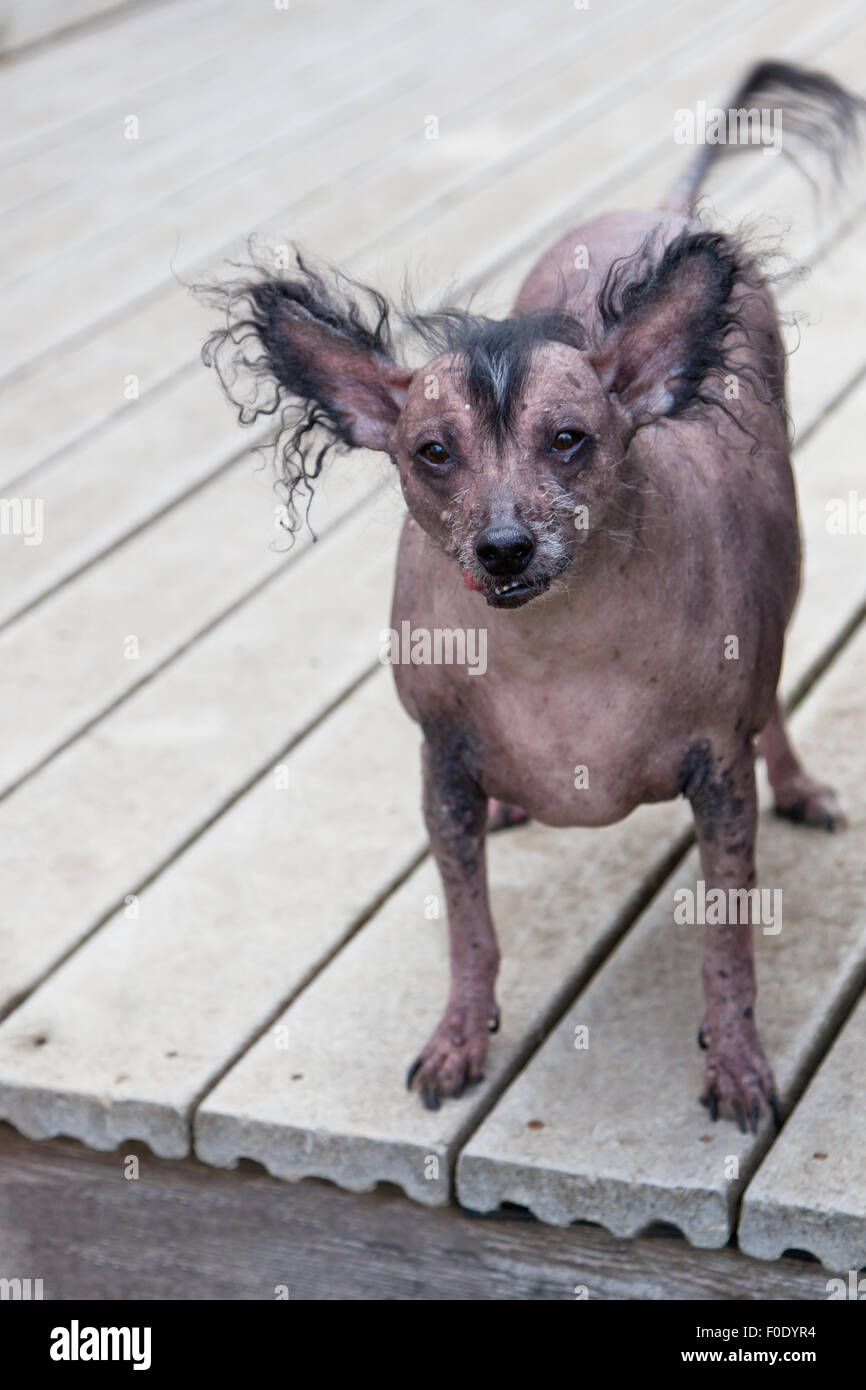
<point x="505" y="549"/>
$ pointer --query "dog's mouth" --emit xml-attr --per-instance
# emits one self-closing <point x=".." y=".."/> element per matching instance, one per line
<point x="506" y="592"/>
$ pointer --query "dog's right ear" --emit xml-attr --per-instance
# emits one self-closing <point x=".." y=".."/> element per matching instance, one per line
<point x="307" y="343"/>
<point x="324" y="357"/>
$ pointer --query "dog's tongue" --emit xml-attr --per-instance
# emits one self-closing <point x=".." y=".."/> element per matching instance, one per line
<point x="471" y="582"/>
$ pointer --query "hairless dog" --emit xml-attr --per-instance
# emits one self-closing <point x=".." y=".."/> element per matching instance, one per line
<point x="602" y="483"/>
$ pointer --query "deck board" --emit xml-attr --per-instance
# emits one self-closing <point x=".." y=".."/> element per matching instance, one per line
<point x="109" y="811"/>
<point x="810" y="1191"/>
<point x="85" y="627"/>
<point x="66" y="1211"/>
<point x="137" y="1023"/>
<point x="559" y="898"/>
<point x="100" y="492"/>
<point x="203" y="225"/>
<point x="191" y="132"/>
<point x="66" y="81"/>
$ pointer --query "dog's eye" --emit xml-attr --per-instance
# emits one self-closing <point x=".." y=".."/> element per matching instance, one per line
<point x="434" y="453"/>
<point x="567" y="440"/>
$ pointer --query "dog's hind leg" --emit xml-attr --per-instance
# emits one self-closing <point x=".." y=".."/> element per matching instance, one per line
<point x="798" y="796"/>
<point x="455" y="809"/>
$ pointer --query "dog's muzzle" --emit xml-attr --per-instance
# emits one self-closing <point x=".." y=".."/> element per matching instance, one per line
<point x="505" y="551"/>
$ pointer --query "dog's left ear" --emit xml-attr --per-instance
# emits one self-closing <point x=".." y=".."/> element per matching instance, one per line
<point x="665" y="329"/>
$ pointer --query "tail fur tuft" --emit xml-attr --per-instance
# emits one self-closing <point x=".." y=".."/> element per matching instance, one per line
<point x="817" y="113"/>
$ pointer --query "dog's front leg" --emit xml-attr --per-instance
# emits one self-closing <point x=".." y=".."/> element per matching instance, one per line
<point x="455" y="809"/>
<point x="721" y="788"/>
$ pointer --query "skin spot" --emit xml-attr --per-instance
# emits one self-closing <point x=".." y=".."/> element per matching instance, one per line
<point x="709" y="791"/>
<point x="456" y="807"/>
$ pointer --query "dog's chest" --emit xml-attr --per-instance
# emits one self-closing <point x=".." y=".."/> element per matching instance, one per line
<point x="580" y="708"/>
<point x="576" y="748"/>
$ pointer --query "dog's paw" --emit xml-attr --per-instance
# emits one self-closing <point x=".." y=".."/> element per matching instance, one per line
<point x="500" y="815"/>
<point x="738" y="1081"/>
<point x="455" y="1055"/>
<point x="807" y="802"/>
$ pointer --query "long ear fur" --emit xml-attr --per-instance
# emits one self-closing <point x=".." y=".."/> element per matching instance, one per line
<point x="314" y="352"/>
<point x="669" y="322"/>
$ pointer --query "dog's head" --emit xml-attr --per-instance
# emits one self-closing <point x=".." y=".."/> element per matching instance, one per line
<point x="512" y="439"/>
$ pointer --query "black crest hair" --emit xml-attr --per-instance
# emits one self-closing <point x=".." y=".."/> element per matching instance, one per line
<point x="498" y="353"/>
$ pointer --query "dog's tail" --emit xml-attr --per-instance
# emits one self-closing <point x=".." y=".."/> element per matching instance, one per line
<point x="785" y="103"/>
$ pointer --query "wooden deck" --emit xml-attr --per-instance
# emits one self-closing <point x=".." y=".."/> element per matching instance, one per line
<point x="214" y="945"/>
